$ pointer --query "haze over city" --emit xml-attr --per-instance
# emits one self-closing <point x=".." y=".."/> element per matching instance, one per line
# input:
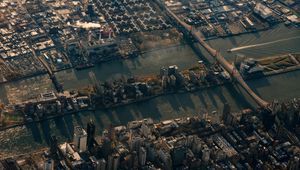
<point x="149" y="84"/>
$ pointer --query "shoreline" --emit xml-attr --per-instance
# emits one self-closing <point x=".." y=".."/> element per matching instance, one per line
<point x="94" y="108"/>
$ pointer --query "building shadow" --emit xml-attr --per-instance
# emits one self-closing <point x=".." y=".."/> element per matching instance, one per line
<point x="232" y="40"/>
<point x="35" y="131"/>
<point x="98" y="120"/>
<point x="109" y="114"/>
<point x="202" y="99"/>
<point x="257" y="83"/>
<point x="238" y="97"/>
<point x="210" y="95"/>
<point x="124" y="114"/>
<point x="45" y="127"/>
<point x="60" y="124"/>
<point x="69" y="124"/>
<point x="149" y="109"/>
<point x="186" y="101"/>
<point x="78" y="119"/>
<point x="256" y="34"/>
<point x="110" y="70"/>
<point x="197" y="48"/>
<point x="219" y="92"/>
<point x="135" y="62"/>
<point x="3" y="94"/>
<point x="174" y="102"/>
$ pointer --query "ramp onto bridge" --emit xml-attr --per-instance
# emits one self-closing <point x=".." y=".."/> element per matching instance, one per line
<point x="230" y="68"/>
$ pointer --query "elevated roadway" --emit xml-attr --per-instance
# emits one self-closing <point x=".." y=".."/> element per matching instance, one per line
<point x="230" y="68"/>
<point x="57" y="85"/>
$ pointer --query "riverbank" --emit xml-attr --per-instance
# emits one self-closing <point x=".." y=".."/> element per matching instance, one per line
<point x="231" y="132"/>
<point x="165" y="92"/>
<point x="23" y="139"/>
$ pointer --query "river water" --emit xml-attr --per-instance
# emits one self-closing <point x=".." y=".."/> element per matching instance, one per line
<point x="281" y="87"/>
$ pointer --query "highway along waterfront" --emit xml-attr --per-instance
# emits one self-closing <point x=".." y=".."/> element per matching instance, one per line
<point x="282" y="86"/>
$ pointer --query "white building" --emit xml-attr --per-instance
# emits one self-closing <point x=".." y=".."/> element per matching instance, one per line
<point x="80" y="139"/>
<point x="262" y="10"/>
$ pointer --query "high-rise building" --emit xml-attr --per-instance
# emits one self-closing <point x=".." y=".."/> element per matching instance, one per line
<point x="53" y="146"/>
<point x="102" y="164"/>
<point x="49" y="164"/>
<point x="110" y="162"/>
<point x="178" y="154"/>
<point x="116" y="161"/>
<point x="90" y="134"/>
<point x="80" y="139"/>
<point x="90" y="10"/>
<point x="135" y="160"/>
<point x="294" y="163"/>
<point x="98" y="164"/>
<point x="142" y="156"/>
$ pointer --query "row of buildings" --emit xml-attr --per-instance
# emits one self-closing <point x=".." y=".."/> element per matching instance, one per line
<point x="130" y="16"/>
<point x="170" y="80"/>
<point x="46" y="105"/>
<point x="118" y="92"/>
<point x="241" y="141"/>
<point x="62" y="35"/>
<point x="16" y="57"/>
<point x="221" y="18"/>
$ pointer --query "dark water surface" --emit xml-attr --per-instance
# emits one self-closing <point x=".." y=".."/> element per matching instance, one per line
<point x="282" y="87"/>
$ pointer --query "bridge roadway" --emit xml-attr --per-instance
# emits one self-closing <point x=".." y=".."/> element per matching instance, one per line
<point x="230" y="68"/>
<point x="57" y="85"/>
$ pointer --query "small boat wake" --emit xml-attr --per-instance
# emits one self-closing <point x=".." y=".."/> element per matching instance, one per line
<point x="261" y="44"/>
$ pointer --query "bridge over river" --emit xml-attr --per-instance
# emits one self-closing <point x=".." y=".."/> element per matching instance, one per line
<point x="230" y="68"/>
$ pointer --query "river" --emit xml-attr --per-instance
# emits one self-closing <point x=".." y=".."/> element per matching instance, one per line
<point x="281" y="87"/>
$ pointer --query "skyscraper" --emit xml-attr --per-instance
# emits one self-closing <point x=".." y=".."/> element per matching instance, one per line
<point x="90" y="134"/>
<point x="53" y="146"/>
<point x="80" y="139"/>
